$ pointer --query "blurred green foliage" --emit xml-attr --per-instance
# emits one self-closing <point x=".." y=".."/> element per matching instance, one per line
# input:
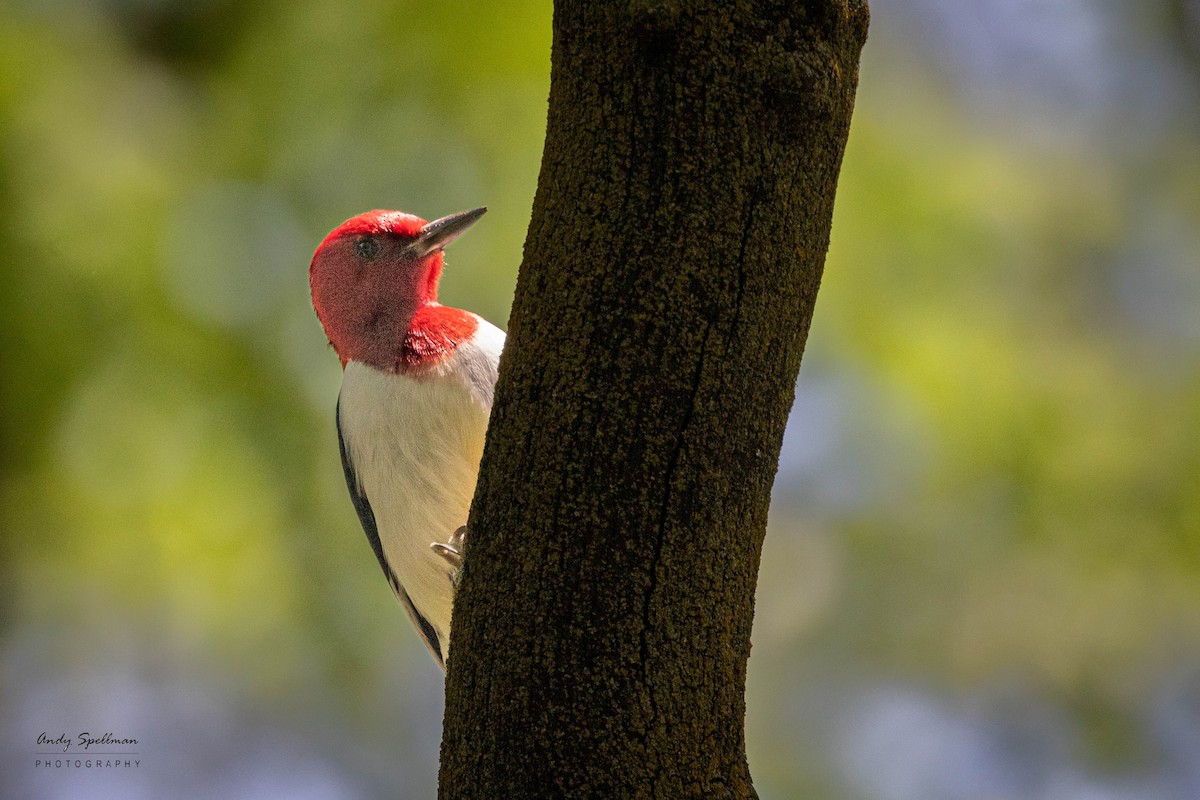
<point x="1004" y="487"/>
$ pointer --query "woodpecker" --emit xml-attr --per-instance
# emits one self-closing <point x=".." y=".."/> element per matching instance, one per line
<point x="417" y="381"/>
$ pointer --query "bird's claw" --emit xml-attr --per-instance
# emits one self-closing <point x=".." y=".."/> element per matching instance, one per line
<point x="453" y="551"/>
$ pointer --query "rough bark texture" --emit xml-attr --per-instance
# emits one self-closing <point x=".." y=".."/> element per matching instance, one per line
<point x="678" y="235"/>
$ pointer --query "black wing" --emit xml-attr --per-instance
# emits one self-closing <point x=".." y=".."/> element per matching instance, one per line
<point x="367" y="517"/>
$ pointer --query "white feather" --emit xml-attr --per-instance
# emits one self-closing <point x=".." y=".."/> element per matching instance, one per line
<point x="415" y="443"/>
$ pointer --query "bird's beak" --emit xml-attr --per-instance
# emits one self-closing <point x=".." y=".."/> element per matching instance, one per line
<point x="441" y="232"/>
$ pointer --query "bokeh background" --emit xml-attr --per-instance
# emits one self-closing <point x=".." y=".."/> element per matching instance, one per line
<point x="982" y="575"/>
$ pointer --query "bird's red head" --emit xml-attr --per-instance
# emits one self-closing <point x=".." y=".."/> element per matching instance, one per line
<point x="373" y="273"/>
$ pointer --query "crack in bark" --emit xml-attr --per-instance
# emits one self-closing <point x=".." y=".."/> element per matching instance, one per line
<point x="755" y="200"/>
<point x="660" y="543"/>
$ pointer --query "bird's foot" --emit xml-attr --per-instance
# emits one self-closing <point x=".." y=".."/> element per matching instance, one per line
<point x="453" y="551"/>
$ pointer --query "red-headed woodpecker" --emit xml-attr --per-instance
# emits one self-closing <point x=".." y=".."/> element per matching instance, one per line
<point x="413" y="409"/>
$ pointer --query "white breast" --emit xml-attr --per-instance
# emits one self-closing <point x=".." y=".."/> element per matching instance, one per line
<point x="415" y="443"/>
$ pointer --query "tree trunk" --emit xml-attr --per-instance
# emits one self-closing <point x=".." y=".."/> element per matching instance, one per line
<point x="680" y="226"/>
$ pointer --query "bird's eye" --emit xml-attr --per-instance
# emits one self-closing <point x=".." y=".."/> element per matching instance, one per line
<point x="367" y="248"/>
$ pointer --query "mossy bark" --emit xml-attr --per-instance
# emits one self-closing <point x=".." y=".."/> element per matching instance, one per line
<point x="679" y="231"/>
